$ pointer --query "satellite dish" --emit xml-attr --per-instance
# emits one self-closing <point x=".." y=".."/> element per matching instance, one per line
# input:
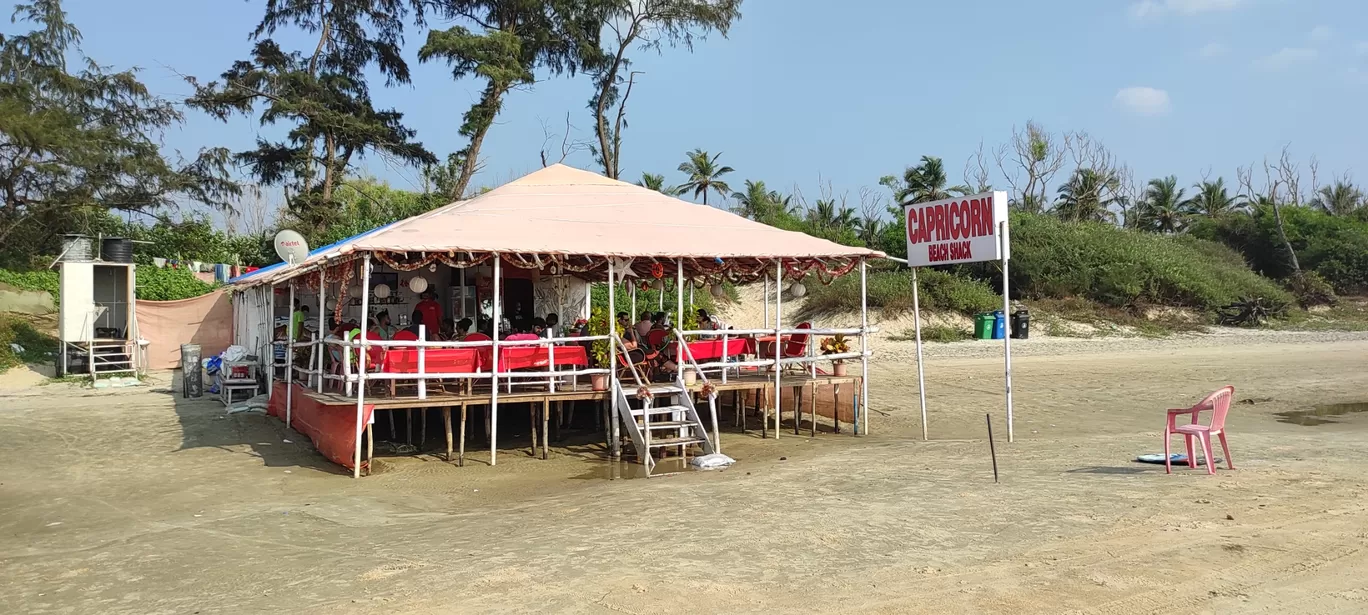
<point x="291" y="247"/>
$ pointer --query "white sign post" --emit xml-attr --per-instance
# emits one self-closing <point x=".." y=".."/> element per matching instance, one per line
<point x="967" y="229"/>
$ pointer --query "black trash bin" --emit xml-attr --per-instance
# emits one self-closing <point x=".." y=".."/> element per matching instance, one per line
<point x="192" y="374"/>
<point x="1021" y="324"/>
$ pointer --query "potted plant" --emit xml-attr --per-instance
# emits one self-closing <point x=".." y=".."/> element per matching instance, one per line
<point x="836" y="345"/>
<point x="601" y="350"/>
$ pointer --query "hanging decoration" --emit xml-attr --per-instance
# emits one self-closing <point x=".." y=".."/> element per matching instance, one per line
<point x="418" y="284"/>
<point x="657" y="270"/>
<point x="797" y="290"/>
<point x="381" y="291"/>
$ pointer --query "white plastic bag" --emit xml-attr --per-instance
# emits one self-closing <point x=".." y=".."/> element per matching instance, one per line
<point x="711" y="462"/>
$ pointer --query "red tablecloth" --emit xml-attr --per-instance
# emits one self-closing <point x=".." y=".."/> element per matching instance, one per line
<point x="711" y="350"/>
<point x="404" y="360"/>
<point x="523" y="357"/>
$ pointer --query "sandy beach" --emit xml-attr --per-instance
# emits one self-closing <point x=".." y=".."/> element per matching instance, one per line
<point x="138" y="501"/>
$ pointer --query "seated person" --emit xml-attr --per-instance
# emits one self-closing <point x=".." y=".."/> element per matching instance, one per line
<point x="708" y="322"/>
<point x="383" y="326"/>
<point x="463" y="328"/>
<point x="552" y="323"/>
<point x="637" y="353"/>
<point x="538" y="327"/>
<point x="448" y="331"/>
<point x="644" y="325"/>
<point x="417" y="319"/>
<point x="660" y="321"/>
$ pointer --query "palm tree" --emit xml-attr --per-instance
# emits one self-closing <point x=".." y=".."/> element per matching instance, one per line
<point x="1088" y="196"/>
<point x="924" y="182"/>
<point x="1162" y="208"/>
<point x="704" y="175"/>
<point x="1213" y="200"/>
<point x="869" y="229"/>
<point x="1340" y="199"/>
<point x="754" y="203"/>
<point x="657" y="183"/>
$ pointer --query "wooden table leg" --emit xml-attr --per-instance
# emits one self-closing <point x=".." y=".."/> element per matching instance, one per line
<point x="460" y="458"/>
<point x="798" y="410"/>
<point x="422" y="416"/>
<point x="764" y="411"/>
<point x="408" y="426"/>
<point x="394" y="432"/>
<point x="546" y="427"/>
<point x="446" y="421"/>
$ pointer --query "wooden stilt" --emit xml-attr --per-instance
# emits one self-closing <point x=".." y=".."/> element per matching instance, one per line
<point x="764" y="411"/>
<point x="546" y="427"/>
<point x="394" y="433"/>
<point x="370" y="447"/>
<point x="408" y="426"/>
<point x="422" y="428"/>
<point x="446" y="421"/>
<point x="460" y="458"/>
<point x="532" y="411"/>
<point x="836" y="408"/>
<point x="812" y="410"/>
<point x="798" y="410"/>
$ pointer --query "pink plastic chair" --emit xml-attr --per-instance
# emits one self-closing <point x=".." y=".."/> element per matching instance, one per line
<point x="522" y="337"/>
<point x="1219" y="405"/>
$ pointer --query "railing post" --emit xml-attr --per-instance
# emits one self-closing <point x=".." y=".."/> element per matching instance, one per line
<point x="494" y="375"/>
<point x="725" y="347"/>
<point x="365" y="356"/>
<point x="290" y="334"/>
<point x="551" y="366"/>
<point x="778" y="341"/>
<point x="615" y="438"/>
<point x="422" y="362"/>
<point x="322" y="322"/>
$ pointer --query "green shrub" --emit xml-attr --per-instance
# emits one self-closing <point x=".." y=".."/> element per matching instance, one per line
<point x="1335" y="247"/>
<point x="41" y="280"/>
<point x="936" y="333"/>
<point x="891" y="291"/>
<point x="157" y="284"/>
<point x="1126" y="268"/>
<point x="38" y="347"/>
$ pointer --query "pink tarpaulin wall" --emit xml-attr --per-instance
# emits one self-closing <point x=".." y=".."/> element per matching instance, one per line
<point x="331" y="427"/>
<point x="205" y="320"/>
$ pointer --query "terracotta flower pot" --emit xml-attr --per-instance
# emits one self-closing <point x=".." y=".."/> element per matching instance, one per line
<point x="599" y="382"/>
<point x="690" y="377"/>
<point x="838" y="369"/>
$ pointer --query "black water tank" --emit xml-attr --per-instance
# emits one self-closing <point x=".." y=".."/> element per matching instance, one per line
<point x="116" y="250"/>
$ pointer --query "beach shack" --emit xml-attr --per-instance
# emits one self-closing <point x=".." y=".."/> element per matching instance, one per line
<point x="531" y="247"/>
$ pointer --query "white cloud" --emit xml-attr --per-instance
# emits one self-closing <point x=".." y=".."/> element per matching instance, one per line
<point x="1146" y="9"/>
<point x="1286" y="58"/>
<point x="1320" y="34"/>
<point x="1142" y="100"/>
<point x="1211" y="50"/>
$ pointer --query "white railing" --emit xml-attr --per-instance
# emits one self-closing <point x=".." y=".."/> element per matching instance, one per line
<point x="810" y="357"/>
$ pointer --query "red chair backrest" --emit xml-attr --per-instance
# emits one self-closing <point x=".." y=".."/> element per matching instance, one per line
<point x="475" y="337"/>
<point x="405" y="336"/>
<point x="375" y="355"/>
<point x="1220" y="406"/>
<point x="797" y="343"/>
<point x="656" y="338"/>
<point x="522" y="337"/>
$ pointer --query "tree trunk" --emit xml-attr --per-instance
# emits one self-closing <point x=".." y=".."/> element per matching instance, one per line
<point x="1282" y="234"/>
<point x="329" y="165"/>
<point x="491" y="100"/>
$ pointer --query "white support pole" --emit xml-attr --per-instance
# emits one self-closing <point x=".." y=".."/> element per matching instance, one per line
<point x="422" y="362"/>
<point x="322" y="324"/>
<point x="268" y="310"/>
<point x="864" y="347"/>
<point x="361" y="371"/>
<point x="463" y="296"/>
<point x="494" y="377"/>
<point x="916" y="325"/>
<point x="679" y="298"/>
<point x="289" y="359"/>
<point x="632" y="316"/>
<point x="1006" y="335"/>
<point x="778" y="340"/>
<point x="765" y="300"/>
<point x="615" y="441"/>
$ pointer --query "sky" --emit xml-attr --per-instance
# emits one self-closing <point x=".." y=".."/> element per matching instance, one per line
<point x="799" y="95"/>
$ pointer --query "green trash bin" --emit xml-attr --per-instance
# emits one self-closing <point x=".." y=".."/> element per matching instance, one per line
<point x="983" y="326"/>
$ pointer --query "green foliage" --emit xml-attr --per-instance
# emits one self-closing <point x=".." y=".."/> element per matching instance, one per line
<point x="79" y="143"/>
<point x="891" y="291"/>
<point x="945" y="333"/>
<point x="1333" y="246"/>
<point x="704" y="174"/>
<point x="365" y="204"/>
<point x="40" y="280"/>
<point x="1123" y="268"/>
<point x="157" y="284"/>
<point x="38" y="347"/>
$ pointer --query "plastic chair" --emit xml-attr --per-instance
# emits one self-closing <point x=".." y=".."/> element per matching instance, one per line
<point x="656" y="338"/>
<point x="1219" y="405"/>
<point x="522" y="337"/>
<point x="405" y="336"/>
<point x="475" y="337"/>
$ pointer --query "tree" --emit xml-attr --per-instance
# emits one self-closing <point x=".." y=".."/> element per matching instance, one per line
<point x="922" y="183"/>
<point x="78" y="144"/>
<point x="1162" y="208"/>
<point x="704" y="175"/>
<point x="323" y="96"/>
<point x="1213" y="200"/>
<point x="513" y="38"/>
<point x="1037" y="155"/>
<point x="657" y="183"/>
<point x="651" y="24"/>
<point x="1340" y="199"/>
<point x="1088" y="196"/>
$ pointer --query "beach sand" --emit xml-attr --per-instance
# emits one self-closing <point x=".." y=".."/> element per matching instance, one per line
<point x="138" y="501"/>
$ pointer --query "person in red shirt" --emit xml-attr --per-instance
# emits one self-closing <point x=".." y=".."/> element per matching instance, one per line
<point x="432" y="313"/>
